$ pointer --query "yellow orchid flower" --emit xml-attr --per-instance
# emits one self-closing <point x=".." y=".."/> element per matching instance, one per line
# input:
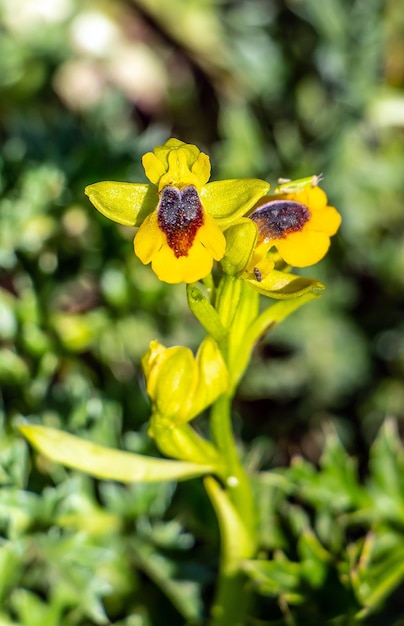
<point x="180" y="215"/>
<point x="297" y="221"/>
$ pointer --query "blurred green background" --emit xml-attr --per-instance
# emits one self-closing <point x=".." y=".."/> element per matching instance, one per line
<point x="269" y="89"/>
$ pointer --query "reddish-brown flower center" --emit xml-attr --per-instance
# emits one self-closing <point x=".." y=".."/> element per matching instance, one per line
<point x="279" y="218"/>
<point x="180" y="215"/>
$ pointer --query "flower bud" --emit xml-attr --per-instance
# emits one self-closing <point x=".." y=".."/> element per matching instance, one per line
<point x="240" y="243"/>
<point x="180" y="385"/>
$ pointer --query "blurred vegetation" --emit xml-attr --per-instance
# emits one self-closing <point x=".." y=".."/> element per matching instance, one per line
<point x="269" y="89"/>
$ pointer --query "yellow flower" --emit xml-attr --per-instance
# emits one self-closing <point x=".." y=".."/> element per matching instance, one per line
<point x="180" y="215"/>
<point x="297" y="221"/>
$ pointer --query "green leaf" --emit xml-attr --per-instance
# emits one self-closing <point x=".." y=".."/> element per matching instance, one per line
<point x="276" y="577"/>
<point x="386" y="482"/>
<point x="13" y="368"/>
<point x="106" y="463"/>
<point x="184" y="594"/>
<point x="379" y="569"/>
<point x="205" y="313"/>
<point x="275" y="314"/>
<point x="314" y="558"/>
<point x="32" y="611"/>
<point x="336" y="485"/>
<point x="125" y="203"/>
<point x="237" y="542"/>
<point x="282" y="285"/>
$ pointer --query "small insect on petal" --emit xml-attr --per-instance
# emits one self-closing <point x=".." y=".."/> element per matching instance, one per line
<point x="280" y="218"/>
<point x="180" y="216"/>
<point x="257" y="274"/>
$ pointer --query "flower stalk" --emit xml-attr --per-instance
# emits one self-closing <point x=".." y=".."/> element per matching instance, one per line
<point x="240" y="243"/>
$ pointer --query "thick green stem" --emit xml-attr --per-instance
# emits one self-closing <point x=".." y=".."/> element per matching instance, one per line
<point x="237" y="307"/>
<point x="237" y="481"/>
<point x="221" y="429"/>
<point x="232" y="599"/>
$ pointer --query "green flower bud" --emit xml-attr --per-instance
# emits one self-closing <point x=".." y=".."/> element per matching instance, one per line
<point x="240" y="243"/>
<point x="180" y="385"/>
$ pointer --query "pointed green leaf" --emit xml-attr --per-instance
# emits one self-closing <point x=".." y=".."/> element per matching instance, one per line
<point x="386" y="481"/>
<point x="106" y="463"/>
<point x="184" y="594"/>
<point x="336" y="486"/>
<point x="314" y="558"/>
<point x="276" y="577"/>
<point x="125" y="203"/>
<point x="275" y="314"/>
<point x="379" y="569"/>
<point x="237" y="542"/>
<point x="341" y="487"/>
<point x="282" y="285"/>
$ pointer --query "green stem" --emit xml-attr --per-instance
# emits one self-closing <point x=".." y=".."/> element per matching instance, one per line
<point x="221" y="429"/>
<point x="237" y="307"/>
<point x="237" y="481"/>
<point x="232" y="599"/>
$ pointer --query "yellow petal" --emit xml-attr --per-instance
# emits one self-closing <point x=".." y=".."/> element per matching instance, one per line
<point x="313" y="197"/>
<point x="153" y="167"/>
<point x="212" y="237"/>
<point x="178" y="164"/>
<point x="179" y="172"/>
<point x="304" y="248"/>
<point x="201" y="169"/>
<point x="149" y="239"/>
<point x="188" y="269"/>
<point x="197" y="264"/>
<point x="259" y="254"/>
<point x="261" y="269"/>
<point x="172" y="144"/>
<point x="325" y="220"/>
<point x="316" y="198"/>
<point x="213" y="379"/>
<point x="165" y="265"/>
<point x="172" y="380"/>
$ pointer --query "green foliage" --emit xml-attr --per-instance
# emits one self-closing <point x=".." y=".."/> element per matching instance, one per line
<point x="332" y="539"/>
<point x="270" y="89"/>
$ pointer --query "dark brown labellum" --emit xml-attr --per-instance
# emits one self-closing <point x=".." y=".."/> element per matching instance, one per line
<point x="180" y="216"/>
<point x="279" y="218"/>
